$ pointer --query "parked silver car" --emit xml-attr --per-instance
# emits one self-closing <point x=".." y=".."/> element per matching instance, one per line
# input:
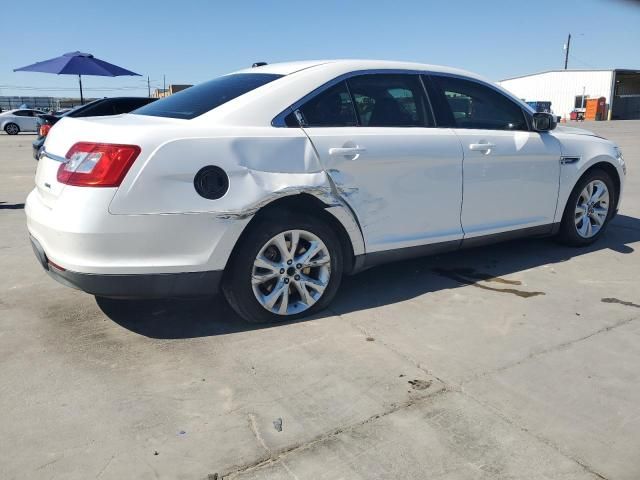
<point x="20" y="120"/>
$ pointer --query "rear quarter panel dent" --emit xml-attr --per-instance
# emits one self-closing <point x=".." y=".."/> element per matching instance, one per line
<point x="258" y="168"/>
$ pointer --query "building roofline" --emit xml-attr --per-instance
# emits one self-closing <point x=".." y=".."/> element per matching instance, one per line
<point x="616" y="70"/>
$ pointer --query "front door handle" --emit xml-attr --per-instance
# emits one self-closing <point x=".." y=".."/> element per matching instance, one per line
<point x="481" y="147"/>
<point x="346" y="151"/>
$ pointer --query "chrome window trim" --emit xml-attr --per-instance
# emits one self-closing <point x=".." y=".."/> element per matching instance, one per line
<point x="278" y="120"/>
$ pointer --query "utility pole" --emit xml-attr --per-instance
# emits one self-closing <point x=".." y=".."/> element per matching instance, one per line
<point x="149" y="86"/>
<point x="164" y="85"/>
<point x="566" y="52"/>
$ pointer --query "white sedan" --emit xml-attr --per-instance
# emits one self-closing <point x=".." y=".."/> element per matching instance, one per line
<point x="273" y="182"/>
<point x="19" y="120"/>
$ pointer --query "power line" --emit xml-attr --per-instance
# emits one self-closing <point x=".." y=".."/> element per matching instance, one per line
<point x="573" y="57"/>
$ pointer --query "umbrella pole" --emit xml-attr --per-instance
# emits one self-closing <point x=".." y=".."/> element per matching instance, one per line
<point x="81" y="97"/>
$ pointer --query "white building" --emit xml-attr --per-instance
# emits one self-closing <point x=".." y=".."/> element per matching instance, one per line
<point x="565" y="88"/>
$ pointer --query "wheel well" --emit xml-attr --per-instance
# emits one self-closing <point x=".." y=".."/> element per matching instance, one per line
<point x="612" y="172"/>
<point x="309" y="205"/>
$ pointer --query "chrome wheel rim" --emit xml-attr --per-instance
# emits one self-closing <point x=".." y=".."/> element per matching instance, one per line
<point x="291" y="272"/>
<point x="12" y="129"/>
<point x="592" y="209"/>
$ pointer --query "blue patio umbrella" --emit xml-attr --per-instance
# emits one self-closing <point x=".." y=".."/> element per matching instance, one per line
<point x="77" y="63"/>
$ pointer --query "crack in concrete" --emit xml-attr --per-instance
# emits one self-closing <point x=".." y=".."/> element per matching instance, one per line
<point x="103" y="469"/>
<point x="276" y="457"/>
<point x="554" y="348"/>
<point x="539" y="438"/>
<point x="253" y="425"/>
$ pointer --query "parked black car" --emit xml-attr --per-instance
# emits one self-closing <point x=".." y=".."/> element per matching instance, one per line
<point x="98" y="108"/>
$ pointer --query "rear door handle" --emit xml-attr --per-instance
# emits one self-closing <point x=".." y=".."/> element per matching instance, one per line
<point x="346" y="151"/>
<point x="481" y="147"/>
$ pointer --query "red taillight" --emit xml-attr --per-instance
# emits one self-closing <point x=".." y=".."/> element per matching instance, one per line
<point x="97" y="164"/>
<point x="44" y="129"/>
<point x="56" y="266"/>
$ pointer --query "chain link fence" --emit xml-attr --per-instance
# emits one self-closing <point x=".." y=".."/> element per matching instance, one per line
<point x="41" y="103"/>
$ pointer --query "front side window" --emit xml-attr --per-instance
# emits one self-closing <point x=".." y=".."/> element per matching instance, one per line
<point x="22" y="113"/>
<point x="194" y="101"/>
<point x="331" y="108"/>
<point x="389" y="100"/>
<point x="472" y="105"/>
<point x="369" y="100"/>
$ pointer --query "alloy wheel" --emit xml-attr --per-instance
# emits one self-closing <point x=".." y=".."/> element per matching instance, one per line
<point x="291" y="272"/>
<point x="592" y="209"/>
<point x="12" y="129"/>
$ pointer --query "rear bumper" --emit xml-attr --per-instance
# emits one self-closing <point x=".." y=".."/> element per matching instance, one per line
<point x="152" y="285"/>
<point x="77" y="232"/>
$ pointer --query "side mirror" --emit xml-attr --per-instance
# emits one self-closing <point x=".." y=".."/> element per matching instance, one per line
<point x="543" y="122"/>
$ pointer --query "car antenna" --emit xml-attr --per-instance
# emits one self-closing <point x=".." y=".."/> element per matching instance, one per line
<point x="259" y="64"/>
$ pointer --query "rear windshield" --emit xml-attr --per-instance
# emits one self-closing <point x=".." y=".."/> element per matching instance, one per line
<point x="197" y="100"/>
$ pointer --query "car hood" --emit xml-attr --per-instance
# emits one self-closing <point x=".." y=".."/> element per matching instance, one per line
<point x="574" y="131"/>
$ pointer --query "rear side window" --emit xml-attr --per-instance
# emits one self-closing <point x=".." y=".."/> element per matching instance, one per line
<point x="126" y="105"/>
<point x="195" y="101"/>
<point x="98" y="109"/>
<point x="469" y="104"/>
<point x="394" y="100"/>
<point x="331" y="108"/>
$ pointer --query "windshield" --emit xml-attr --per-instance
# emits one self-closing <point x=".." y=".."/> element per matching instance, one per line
<point x="195" y="101"/>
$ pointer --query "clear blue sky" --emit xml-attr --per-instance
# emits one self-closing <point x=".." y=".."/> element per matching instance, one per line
<point x="194" y="40"/>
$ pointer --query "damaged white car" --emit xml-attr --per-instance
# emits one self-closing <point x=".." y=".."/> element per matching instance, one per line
<point x="274" y="181"/>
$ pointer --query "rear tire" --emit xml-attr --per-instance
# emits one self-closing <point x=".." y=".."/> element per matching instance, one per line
<point x="267" y="282"/>
<point x="12" y="129"/>
<point x="589" y="209"/>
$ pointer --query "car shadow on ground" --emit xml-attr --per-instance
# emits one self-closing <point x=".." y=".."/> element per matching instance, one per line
<point x="387" y="284"/>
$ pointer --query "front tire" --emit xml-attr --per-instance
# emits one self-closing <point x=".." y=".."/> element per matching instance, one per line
<point x="287" y="266"/>
<point x="589" y="209"/>
<point x="12" y="129"/>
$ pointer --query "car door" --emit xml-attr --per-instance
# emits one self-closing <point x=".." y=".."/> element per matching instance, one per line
<point x="23" y="119"/>
<point x="403" y="178"/>
<point x="32" y="120"/>
<point x="27" y="120"/>
<point x="511" y="174"/>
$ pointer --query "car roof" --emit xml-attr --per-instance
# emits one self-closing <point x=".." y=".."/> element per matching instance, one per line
<point x="287" y="68"/>
<point x="299" y="79"/>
